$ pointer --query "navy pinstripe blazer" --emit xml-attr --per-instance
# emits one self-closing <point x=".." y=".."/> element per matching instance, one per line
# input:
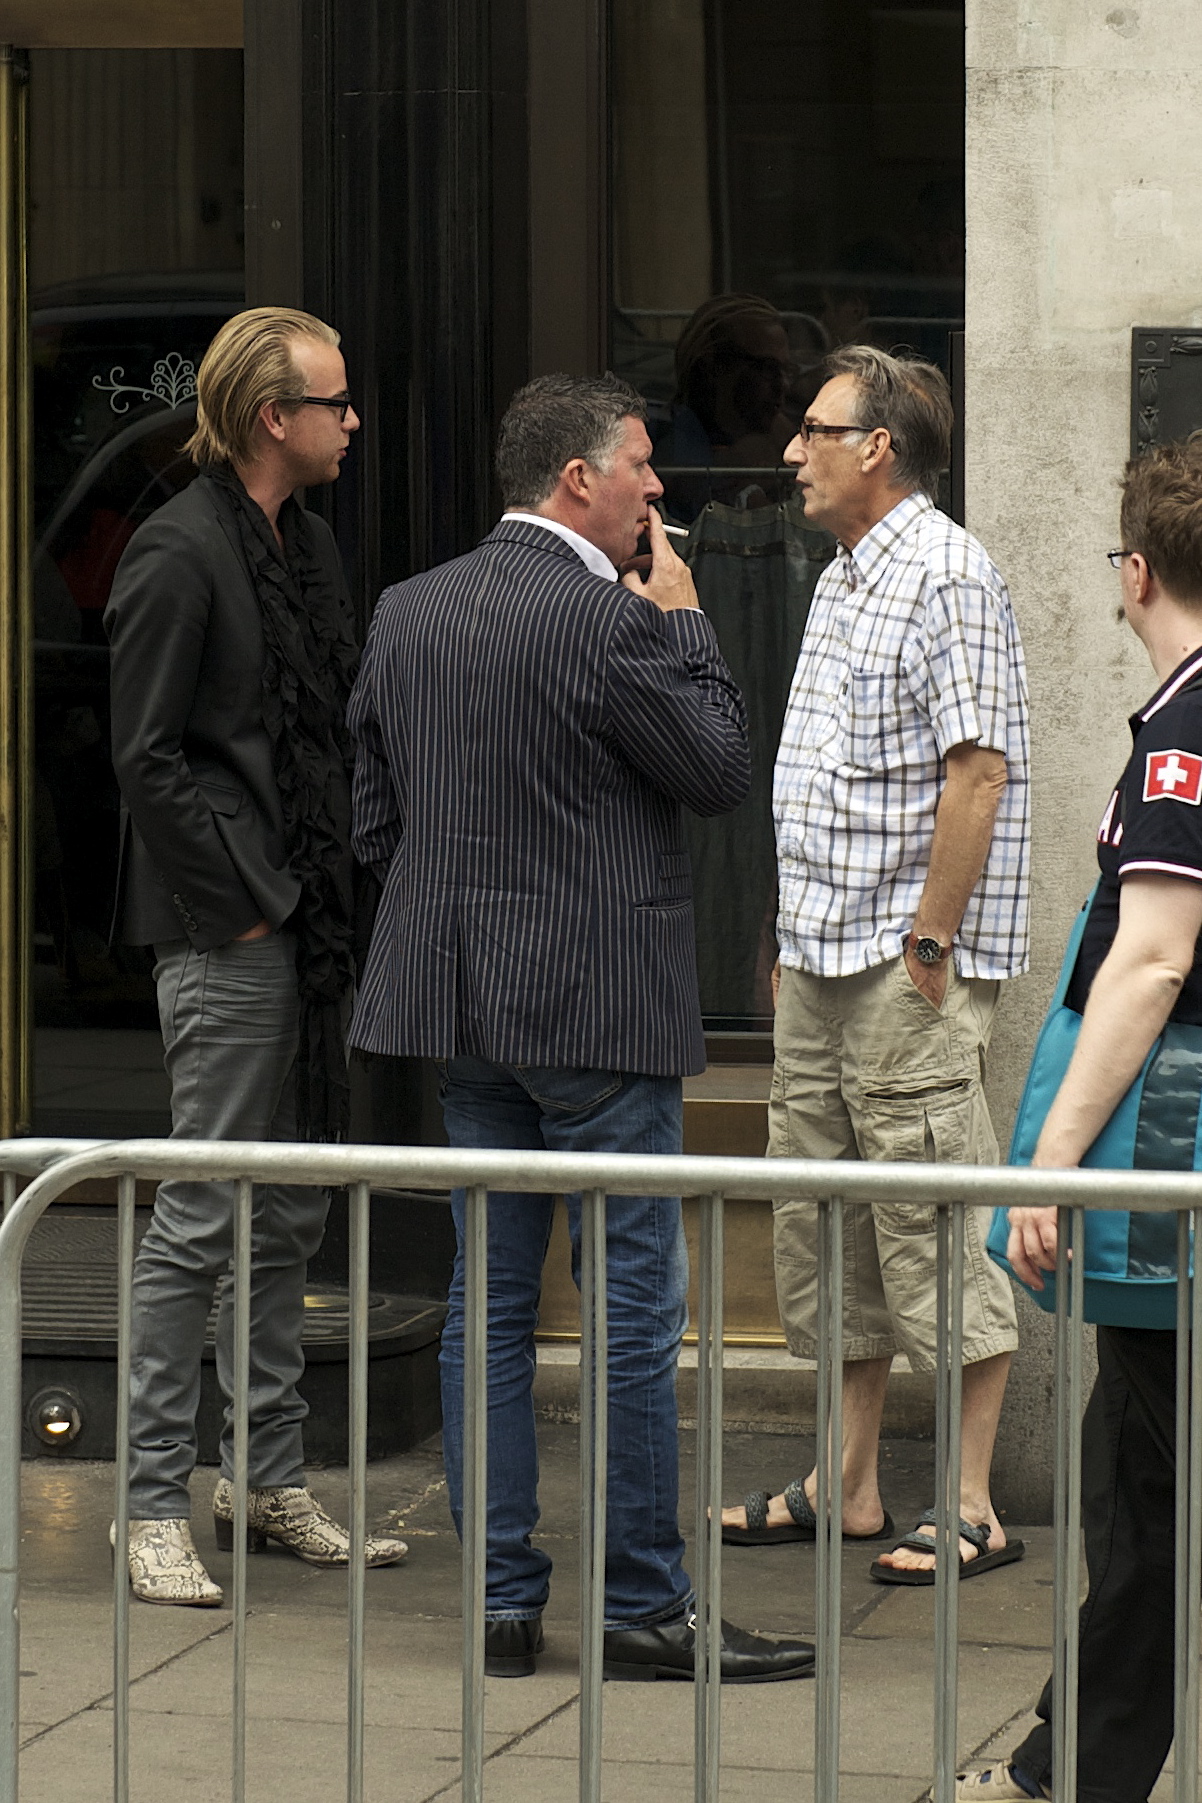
<point x="526" y="733"/>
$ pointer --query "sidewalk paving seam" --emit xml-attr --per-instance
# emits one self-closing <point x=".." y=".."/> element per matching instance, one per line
<point x="983" y="1646"/>
<point x="924" y="1795"/>
<point x="866" y="1610"/>
<point x="434" y="1488"/>
<point x="515" y="1740"/>
<point x="152" y="1671"/>
<point x="1010" y="1722"/>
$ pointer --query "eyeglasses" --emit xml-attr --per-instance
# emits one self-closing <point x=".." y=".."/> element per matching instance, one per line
<point x="1115" y="558"/>
<point x="808" y="429"/>
<point x="341" y="401"/>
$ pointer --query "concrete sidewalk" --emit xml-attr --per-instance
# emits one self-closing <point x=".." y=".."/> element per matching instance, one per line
<point x="181" y="1658"/>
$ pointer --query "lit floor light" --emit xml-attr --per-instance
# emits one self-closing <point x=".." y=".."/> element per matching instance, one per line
<point x="56" y="1417"/>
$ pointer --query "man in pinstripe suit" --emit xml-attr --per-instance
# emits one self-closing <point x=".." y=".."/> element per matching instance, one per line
<point x="528" y="726"/>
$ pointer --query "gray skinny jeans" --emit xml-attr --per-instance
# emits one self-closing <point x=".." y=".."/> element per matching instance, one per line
<point x="230" y="1022"/>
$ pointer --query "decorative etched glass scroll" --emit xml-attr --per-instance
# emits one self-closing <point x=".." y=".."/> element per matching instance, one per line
<point x="172" y="381"/>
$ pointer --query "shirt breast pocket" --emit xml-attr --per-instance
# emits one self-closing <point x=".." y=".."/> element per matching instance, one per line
<point x="873" y="721"/>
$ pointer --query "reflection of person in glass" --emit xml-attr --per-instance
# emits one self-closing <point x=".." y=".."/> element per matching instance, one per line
<point x="860" y="290"/>
<point x="734" y="372"/>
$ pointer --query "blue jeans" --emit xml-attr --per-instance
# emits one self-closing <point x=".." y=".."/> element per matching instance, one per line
<point x="516" y="1106"/>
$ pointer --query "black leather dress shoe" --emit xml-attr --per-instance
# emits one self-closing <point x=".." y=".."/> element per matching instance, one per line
<point x="511" y="1647"/>
<point x="666" y="1651"/>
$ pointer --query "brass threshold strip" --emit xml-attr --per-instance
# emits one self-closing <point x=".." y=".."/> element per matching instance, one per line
<point x="738" y="1341"/>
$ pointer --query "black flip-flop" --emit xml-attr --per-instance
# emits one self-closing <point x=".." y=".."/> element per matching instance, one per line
<point x="976" y="1533"/>
<point x="803" y="1526"/>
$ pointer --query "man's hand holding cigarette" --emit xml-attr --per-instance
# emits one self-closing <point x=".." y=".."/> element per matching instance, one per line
<point x="669" y="581"/>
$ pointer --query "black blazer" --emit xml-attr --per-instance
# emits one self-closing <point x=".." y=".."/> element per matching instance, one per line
<point x="526" y="734"/>
<point x="202" y="830"/>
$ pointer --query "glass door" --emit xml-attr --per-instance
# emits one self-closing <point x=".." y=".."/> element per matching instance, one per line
<point x="135" y="257"/>
<point x="786" y="179"/>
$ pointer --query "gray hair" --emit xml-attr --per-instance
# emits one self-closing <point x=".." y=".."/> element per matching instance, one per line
<point x="911" y="400"/>
<point x="555" y="419"/>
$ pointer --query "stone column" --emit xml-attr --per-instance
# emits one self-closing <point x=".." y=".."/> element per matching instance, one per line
<point x="1084" y="211"/>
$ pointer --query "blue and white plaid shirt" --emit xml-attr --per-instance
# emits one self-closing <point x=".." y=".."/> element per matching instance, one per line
<point x="911" y="648"/>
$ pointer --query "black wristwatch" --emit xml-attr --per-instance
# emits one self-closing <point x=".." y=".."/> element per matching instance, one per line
<point x="926" y="950"/>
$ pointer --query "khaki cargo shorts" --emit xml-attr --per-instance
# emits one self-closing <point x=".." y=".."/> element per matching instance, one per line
<point x="866" y="1068"/>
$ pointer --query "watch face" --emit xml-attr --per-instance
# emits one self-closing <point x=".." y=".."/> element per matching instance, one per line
<point x="928" y="951"/>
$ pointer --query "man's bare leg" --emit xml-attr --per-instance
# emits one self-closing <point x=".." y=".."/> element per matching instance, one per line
<point x="984" y="1386"/>
<point x="864" y="1383"/>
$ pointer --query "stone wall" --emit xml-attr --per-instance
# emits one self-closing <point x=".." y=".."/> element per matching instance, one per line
<point x="1084" y="208"/>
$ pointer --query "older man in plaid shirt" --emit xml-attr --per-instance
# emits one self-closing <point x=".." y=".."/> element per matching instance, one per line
<point x="902" y="823"/>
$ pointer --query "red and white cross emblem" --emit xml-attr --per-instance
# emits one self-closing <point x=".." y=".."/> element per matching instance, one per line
<point x="1173" y="776"/>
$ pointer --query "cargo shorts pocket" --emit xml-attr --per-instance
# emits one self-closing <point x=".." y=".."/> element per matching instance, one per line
<point x="934" y="1125"/>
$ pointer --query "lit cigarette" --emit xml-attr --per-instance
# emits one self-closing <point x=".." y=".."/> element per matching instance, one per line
<point x="676" y="531"/>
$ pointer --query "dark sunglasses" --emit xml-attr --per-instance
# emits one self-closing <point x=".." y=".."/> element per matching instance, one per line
<point x="341" y="401"/>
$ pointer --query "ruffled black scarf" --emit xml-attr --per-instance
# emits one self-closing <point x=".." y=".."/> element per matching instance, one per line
<point x="308" y="671"/>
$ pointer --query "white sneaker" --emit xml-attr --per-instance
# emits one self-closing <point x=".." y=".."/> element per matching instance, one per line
<point x="995" y="1784"/>
<point x="164" y="1565"/>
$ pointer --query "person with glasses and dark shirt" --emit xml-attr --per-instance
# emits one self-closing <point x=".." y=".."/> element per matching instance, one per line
<point x="233" y="655"/>
<point x="1139" y="968"/>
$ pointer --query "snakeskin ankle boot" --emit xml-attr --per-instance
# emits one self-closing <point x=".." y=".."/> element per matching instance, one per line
<point x="293" y="1518"/>
<point x="164" y="1565"/>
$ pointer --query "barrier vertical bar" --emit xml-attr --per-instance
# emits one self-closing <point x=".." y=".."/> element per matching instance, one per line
<point x="822" y="1410"/>
<point x="942" y="1788"/>
<point x="949" y="1347"/>
<point x="1061" y="1588"/>
<point x="829" y="1500"/>
<point x="701" y="1576"/>
<point x="1182" y="1609"/>
<point x="594" y="1460"/>
<point x="1060" y="1500"/>
<point x="1186" y="1751"/>
<point x="707" y="1667"/>
<point x="1072" y="1576"/>
<point x="10" y="1526"/>
<point x="713" y="1673"/>
<point x="834" y="1514"/>
<point x="360" y="1268"/>
<point x="242" y="1280"/>
<point x="125" y="1315"/>
<point x="475" y="1486"/>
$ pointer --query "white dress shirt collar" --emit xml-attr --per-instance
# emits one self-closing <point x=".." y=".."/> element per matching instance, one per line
<point x="588" y="554"/>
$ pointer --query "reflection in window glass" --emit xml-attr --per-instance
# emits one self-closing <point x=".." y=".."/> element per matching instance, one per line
<point x="786" y="179"/>
<point x="136" y="253"/>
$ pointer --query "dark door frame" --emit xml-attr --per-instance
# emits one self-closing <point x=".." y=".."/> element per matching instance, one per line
<point x="435" y="182"/>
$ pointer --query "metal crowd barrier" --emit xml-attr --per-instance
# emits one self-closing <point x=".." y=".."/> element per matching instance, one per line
<point x="56" y="1165"/>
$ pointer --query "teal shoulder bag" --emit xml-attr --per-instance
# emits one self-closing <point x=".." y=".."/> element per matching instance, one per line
<point x="1130" y="1259"/>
